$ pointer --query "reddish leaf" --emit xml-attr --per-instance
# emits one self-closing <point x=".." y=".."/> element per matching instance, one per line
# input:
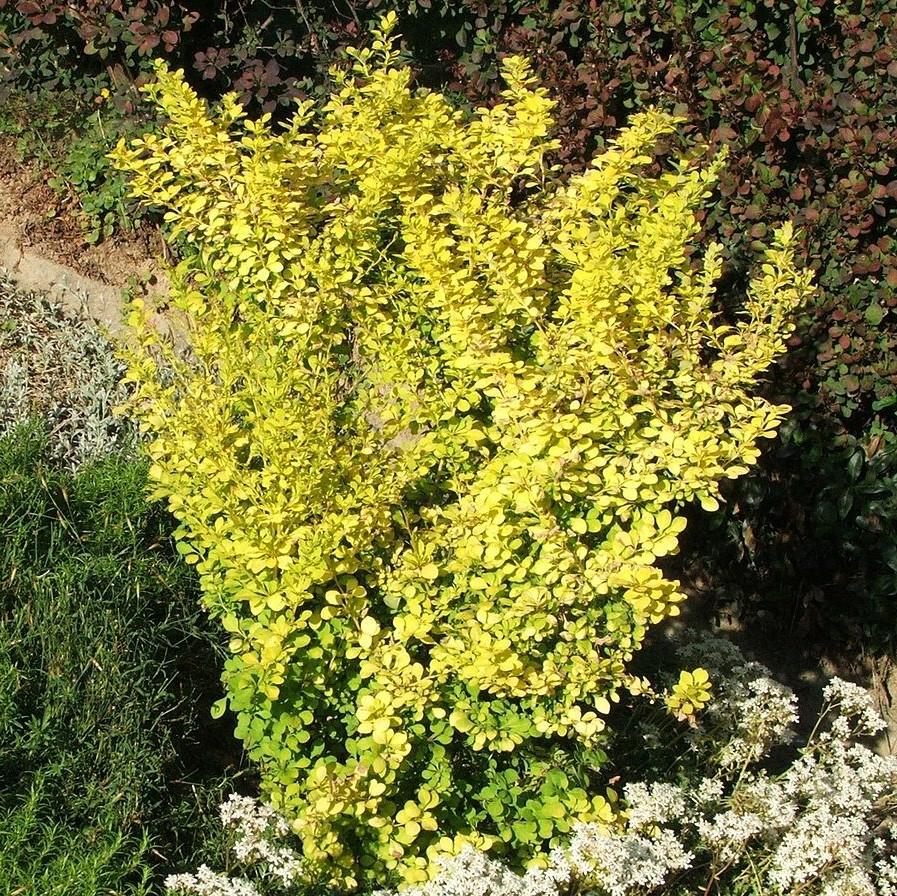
<point x="149" y="43"/>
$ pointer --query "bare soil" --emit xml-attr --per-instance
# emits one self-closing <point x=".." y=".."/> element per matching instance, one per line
<point x="49" y="225"/>
<point x="44" y="249"/>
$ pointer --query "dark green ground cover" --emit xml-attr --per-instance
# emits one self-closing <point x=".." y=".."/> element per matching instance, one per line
<point x="109" y="767"/>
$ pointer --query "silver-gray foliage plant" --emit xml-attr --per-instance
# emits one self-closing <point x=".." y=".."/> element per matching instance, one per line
<point x="59" y="368"/>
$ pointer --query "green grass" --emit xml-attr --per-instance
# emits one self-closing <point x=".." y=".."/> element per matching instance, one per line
<point x="108" y="767"/>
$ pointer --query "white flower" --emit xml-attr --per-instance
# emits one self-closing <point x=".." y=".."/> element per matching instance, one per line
<point x="650" y="805"/>
<point x="729" y="832"/>
<point x="817" y="843"/>
<point x="207" y="883"/>
<point x="768" y="800"/>
<point x="473" y="873"/>
<point x="852" y="702"/>
<point x="761" y="711"/>
<point x="708" y="792"/>
<point x="718" y="656"/>
<point x="850" y="882"/>
<point x="249" y="816"/>
<point x="257" y="824"/>
<point x="625" y="863"/>
<point x="886" y="876"/>
<point x="847" y="778"/>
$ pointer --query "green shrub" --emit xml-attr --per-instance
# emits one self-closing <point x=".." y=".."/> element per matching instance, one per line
<point x="266" y="53"/>
<point x="87" y="44"/>
<point x="807" y="546"/>
<point x="429" y="442"/>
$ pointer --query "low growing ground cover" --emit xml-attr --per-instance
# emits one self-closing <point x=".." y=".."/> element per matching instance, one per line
<point x="61" y="370"/>
<point x="103" y="667"/>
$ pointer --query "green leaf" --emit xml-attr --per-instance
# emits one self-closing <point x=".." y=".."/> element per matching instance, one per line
<point x="875" y="314"/>
<point x="855" y="465"/>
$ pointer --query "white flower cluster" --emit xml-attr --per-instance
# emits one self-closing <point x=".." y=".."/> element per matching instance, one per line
<point x="832" y="796"/>
<point x="819" y="841"/>
<point x="765" y="798"/>
<point x="257" y="827"/>
<point x="473" y="873"/>
<point x="708" y="793"/>
<point x="653" y="804"/>
<point x="604" y="861"/>
<point x="623" y="863"/>
<point x="751" y="712"/>
<point x="206" y="882"/>
<point x="758" y="712"/>
<point x="886" y="871"/>
<point x="721" y="658"/>
<point x="853" y="704"/>
<point x="727" y="833"/>
<point x="815" y="828"/>
<point x="849" y="882"/>
<point x="811" y="829"/>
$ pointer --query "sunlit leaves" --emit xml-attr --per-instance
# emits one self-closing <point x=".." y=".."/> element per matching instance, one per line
<point x="430" y="443"/>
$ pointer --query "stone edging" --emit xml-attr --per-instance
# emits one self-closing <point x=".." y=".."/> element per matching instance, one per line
<point x="76" y="293"/>
<point x="80" y="295"/>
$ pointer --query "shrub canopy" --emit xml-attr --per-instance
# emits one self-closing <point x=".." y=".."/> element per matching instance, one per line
<point x="431" y="437"/>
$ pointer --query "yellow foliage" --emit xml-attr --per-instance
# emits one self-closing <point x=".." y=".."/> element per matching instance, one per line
<point x="690" y="694"/>
<point x="436" y="422"/>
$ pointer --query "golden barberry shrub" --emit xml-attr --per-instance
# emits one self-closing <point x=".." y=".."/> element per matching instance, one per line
<point x="434" y="429"/>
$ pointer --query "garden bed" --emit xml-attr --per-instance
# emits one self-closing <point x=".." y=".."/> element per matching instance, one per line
<point x="794" y="561"/>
